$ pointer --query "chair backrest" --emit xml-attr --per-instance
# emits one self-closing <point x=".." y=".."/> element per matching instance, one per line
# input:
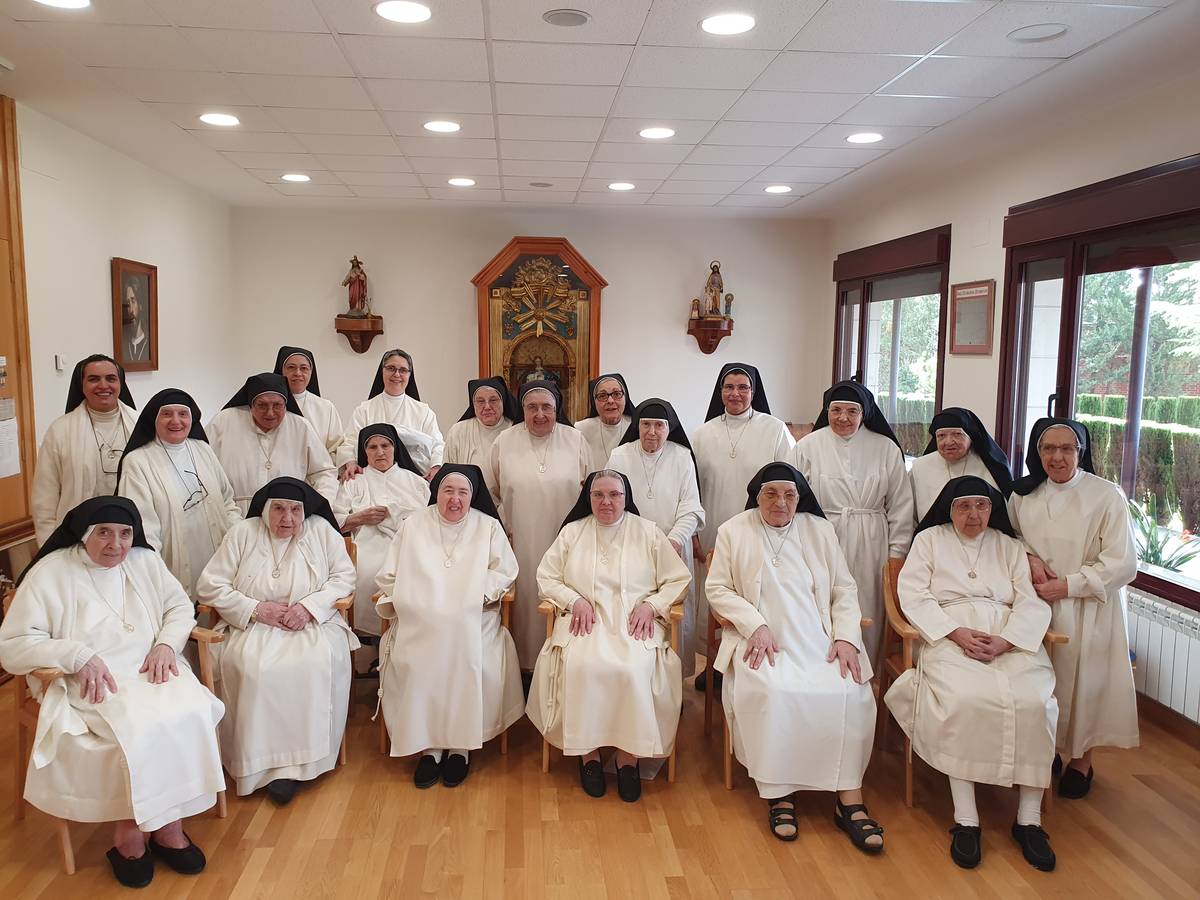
<point x="351" y="550"/>
<point x="891" y="605"/>
<point x="7" y="599"/>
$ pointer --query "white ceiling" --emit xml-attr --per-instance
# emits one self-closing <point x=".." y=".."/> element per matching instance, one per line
<point x="327" y="88"/>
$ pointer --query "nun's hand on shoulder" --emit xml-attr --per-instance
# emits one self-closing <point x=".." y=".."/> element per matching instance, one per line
<point x="1039" y="570"/>
<point x="349" y="471"/>
<point x="431" y="473"/>
<point x="678" y="548"/>
<point x="1052" y="589"/>
<point x="160" y="664"/>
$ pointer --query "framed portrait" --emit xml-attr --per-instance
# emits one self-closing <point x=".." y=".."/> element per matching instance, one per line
<point x="135" y="315"/>
<point x="972" y="304"/>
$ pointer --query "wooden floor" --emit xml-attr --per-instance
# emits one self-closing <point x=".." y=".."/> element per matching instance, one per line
<point x="364" y="831"/>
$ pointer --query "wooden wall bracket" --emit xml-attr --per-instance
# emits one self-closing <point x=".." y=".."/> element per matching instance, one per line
<point x="709" y="332"/>
<point x="359" y="330"/>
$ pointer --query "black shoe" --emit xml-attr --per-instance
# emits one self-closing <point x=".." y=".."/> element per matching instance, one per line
<point x="591" y="777"/>
<point x="455" y="768"/>
<point x="134" y="873"/>
<point x="188" y="860"/>
<point x="429" y="770"/>
<point x="282" y="790"/>
<point x="1056" y="766"/>
<point x="966" y="845"/>
<point x="702" y="680"/>
<point x="629" y="783"/>
<point x="1035" y="846"/>
<point x="1074" y="784"/>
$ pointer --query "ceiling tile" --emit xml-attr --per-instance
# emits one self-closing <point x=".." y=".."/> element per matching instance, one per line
<point x="559" y="63"/>
<point x="550" y="128"/>
<point x="482" y="182"/>
<point x="116" y="12"/>
<point x="265" y="15"/>
<point x="390" y="191"/>
<point x="343" y="162"/>
<point x="627" y="171"/>
<point x="687" y="131"/>
<point x="117" y="46"/>
<point x="329" y="121"/>
<point x="553" y="99"/>
<point x="455" y="147"/>
<point x="431" y="96"/>
<point x="760" y="134"/>
<point x="612" y="22"/>
<point x="271" y="176"/>
<point x="451" y="19"/>
<point x="410" y="57"/>
<point x="683" y="200"/>
<point x="641" y="186"/>
<point x="791" y="106"/>
<point x="696" y="67"/>
<point x="855" y="73"/>
<point x="798" y="188"/>
<point x="412" y="124"/>
<point x="402" y="179"/>
<point x="733" y="156"/>
<point x="690" y="172"/>
<point x="803" y="174"/>
<point x="474" y="195"/>
<point x="543" y="170"/>
<point x="269" y="52"/>
<point x="677" y="22"/>
<point x="439" y="165"/>
<point x="578" y="151"/>
<point x="282" y="162"/>
<point x="645" y="152"/>
<point x="188" y="115"/>
<point x="540" y="196"/>
<point x="848" y="157"/>
<point x="171" y="86"/>
<point x="639" y="102"/>
<point x="236" y="139"/>
<point x="698" y="187"/>
<point x="522" y="183"/>
<point x="885" y="26"/>
<point x="966" y="76"/>
<point x="313" y="190"/>
<point x="613" y="198"/>
<point x="773" y="200"/>
<point x="1086" y="25"/>
<point x="834" y="136"/>
<point x="881" y="109"/>
<point x="306" y="92"/>
<point x="352" y="144"/>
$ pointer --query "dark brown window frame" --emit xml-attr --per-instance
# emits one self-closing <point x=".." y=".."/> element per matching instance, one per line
<point x="1062" y="225"/>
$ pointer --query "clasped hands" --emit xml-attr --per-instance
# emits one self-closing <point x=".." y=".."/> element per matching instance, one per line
<point x="280" y="615"/>
<point x="96" y="681"/>
<point x="640" y="625"/>
<point x="979" y="644"/>
<point x="1046" y="582"/>
<point x="762" y="645"/>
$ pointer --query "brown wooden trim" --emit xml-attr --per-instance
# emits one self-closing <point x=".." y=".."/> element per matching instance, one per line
<point x="16" y="532"/>
<point x="914" y="251"/>
<point x="1167" y="590"/>
<point x="1168" y="720"/>
<point x="943" y="331"/>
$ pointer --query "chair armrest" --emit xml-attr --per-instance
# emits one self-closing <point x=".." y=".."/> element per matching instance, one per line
<point x="864" y="622"/>
<point x="510" y="596"/>
<point x="721" y="622"/>
<point x="1054" y="637"/>
<point x="48" y="676"/>
<point x="344" y="603"/>
<point x="547" y="608"/>
<point x="202" y="635"/>
<point x="905" y="630"/>
<point x="205" y="608"/>
<point x="677" y="612"/>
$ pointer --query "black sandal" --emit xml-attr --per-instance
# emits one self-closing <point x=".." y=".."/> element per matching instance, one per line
<point x="858" y="829"/>
<point x="779" y="816"/>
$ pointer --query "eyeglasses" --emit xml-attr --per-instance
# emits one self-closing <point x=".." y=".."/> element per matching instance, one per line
<point x="979" y="506"/>
<point x="396" y="370"/>
<point x="735" y="389"/>
<point x="605" y="396"/>
<point x="1064" y="449"/>
<point x="196" y="497"/>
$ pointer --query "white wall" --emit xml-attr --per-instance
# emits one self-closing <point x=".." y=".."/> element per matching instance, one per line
<point x="83" y="203"/>
<point x="290" y="266"/>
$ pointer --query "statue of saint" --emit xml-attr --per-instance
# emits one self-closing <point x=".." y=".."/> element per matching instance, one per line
<point x="729" y="306"/>
<point x="356" y="282"/>
<point x="695" y="308"/>
<point x="713" y="287"/>
<point x="539" y="372"/>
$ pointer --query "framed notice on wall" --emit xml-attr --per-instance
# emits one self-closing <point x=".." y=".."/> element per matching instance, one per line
<point x="972" y="305"/>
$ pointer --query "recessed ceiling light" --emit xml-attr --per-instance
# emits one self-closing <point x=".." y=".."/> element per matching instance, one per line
<point x="403" y="11"/>
<point x="295" y="177"/>
<point x="225" y="120"/>
<point x="461" y="182"/>
<point x="442" y="127"/>
<point x="541" y="184"/>
<point x="777" y="189"/>
<point x="728" y="23"/>
<point x="657" y="133"/>
<point x="566" y="18"/>
<point x="865" y="137"/>
<point x="621" y="186"/>
<point x="66" y="4"/>
<point x="1035" y="34"/>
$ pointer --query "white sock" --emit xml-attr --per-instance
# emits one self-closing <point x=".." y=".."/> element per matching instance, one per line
<point x="1029" y="807"/>
<point x="963" y="795"/>
<point x="465" y="754"/>
<point x="436" y="754"/>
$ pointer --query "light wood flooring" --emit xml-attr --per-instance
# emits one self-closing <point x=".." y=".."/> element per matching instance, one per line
<point x="364" y="831"/>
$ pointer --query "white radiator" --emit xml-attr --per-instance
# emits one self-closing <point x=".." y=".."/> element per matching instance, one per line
<point x="1165" y="641"/>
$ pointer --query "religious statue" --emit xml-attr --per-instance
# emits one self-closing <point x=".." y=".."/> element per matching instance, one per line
<point x="695" y="308"/>
<point x="539" y="372"/>
<point x="729" y="306"/>
<point x="713" y="287"/>
<point x="359" y="326"/>
<point x="356" y="282"/>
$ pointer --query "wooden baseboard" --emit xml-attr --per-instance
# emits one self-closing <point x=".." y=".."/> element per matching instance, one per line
<point x="1168" y="720"/>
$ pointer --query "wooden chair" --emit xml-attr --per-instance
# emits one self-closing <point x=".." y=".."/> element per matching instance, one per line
<point x="352" y="552"/>
<point x="506" y="602"/>
<point x="28" y="709"/>
<point x="550" y="611"/>
<point x="900" y="640"/>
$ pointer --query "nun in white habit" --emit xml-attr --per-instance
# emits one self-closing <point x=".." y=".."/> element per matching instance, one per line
<point x="81" y="451"/>
<point x="805" y="721"/>
<point x="979" y="706"/>
<point x="172" y="474"/>
<point x="958" y="446"/>
<point x="656" y="457"/>
<point x="261" y="435"/>
<point x="372" y="506"/>
<point x="395" y="399"/>
<point x="537" y="467"/>
<point x="1075" y="527"/>
<point x="607" y="677"/>
<point x="610" y="410"/>
<point x="284" y="668"/>
<point x="491" y="410"/>
<point x="299" y="367"/>
<point x="128" y="736"/>
<point x="856" y="468"/>
<point x="445" y="573"/>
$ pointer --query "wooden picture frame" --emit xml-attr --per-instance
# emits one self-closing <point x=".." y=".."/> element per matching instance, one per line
<point x="135" y="343"/>
<point x="972" y="315"/>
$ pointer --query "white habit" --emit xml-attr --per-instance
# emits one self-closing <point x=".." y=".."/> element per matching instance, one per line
<point x="1082" y="530"/>
<point x="797" y="725"/>
<point x="930" y="473"/>
<point x="605" y="689"/>
<point x="148" y="752"/>
<point x="286" y="693"/>
<point x="413" y="420"/>
<point x="448" y="673"/>
<point x="470" y="442"/>
<point x="601" y="439"/>
<point x="323" y="417"/>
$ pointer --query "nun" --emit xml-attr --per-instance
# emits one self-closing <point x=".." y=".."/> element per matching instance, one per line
<point x="609" y="412"/>
<point x="449" y="678"/>
<point x="607" y="677"/>
<point x="491" y="410"/>
<point x="856" y="468"/>
<point x="395" y="399"/>
<point x="81" y="451"/>
<point x="128" y="736"/>
<point x="373" y="505"/>
<point x="1075" y="527"/>
<point x="537" y="467"/>
<point x="172" y="474"/>
<point x="299" y="367"/>
<point x="284" y="668"/>
<point x="963" y="447"/>
<point x="979" y="706"/>
<point x="656" y="457"/>
<point x="261" y="435"/>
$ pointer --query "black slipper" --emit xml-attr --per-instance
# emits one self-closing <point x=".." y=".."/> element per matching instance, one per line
<point x="858" y="829"/>
<point x="591" y="778"/>
<point x="429" y="770"/>
<point x="629" y="783"/>
<point x="701" y="681"/>
<point x="455" y="769"/>
<point x="187" y="860"/>
<point x="1073" y="784"/>
<point x="779" y="815"/>
<point x="282" y="790"/>
<point x="1056" y="766"/>
<point x="133" y="873"/>
<point x="966" y="845"/>
<point x="1035" y="846"/>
